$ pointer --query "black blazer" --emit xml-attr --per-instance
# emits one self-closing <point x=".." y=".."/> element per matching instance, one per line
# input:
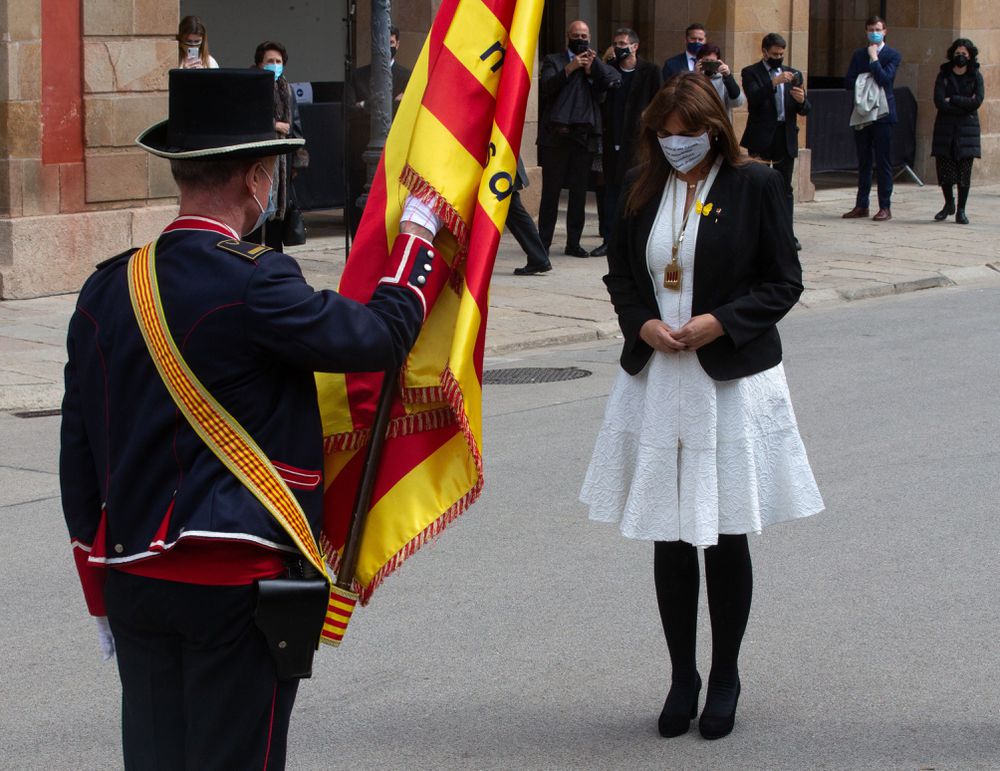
<point x="645" y="83"/>
<point x="762" y="118"/>
<point x="675" y="64"/>
<point x="746" y="273"/>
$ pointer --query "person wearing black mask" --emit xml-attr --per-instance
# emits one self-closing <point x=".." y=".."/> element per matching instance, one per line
<point x="640" y="80"/>
<point x="359" y="120"/>
<point x="958" y="94"/>
<point x="687" y="61"/>
<point x="775" y="98"/>
<point x="572" y="85"/>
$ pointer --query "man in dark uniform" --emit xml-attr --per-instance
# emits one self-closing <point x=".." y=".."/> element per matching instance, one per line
<point x="168" y="543"/>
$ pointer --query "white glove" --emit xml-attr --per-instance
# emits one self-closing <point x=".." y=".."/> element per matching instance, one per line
<point x="419" y="213"/>
<point x="105" y="638"/>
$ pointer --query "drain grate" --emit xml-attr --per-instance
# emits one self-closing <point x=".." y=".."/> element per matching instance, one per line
<point x="527" y="375"/>
<point x="37" y="414"/>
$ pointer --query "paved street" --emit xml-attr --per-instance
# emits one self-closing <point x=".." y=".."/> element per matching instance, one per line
<point x="843" y="260"/>
<point x="527" y="637"/>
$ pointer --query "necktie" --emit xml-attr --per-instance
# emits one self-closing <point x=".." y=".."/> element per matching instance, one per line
<point x="779" y="96"/>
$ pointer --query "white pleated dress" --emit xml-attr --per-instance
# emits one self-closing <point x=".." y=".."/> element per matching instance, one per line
<point x="681" y="456"/>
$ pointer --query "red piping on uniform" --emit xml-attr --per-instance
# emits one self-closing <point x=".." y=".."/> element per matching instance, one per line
<point x="270" y="726"/>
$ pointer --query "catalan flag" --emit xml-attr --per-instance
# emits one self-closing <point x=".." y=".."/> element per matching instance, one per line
<point x="453" y="144"/>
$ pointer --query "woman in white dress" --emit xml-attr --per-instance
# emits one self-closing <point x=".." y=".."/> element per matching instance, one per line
<point x="699" y="445"/>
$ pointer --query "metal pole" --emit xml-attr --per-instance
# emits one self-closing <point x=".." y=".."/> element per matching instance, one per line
<point x="381" y="91"/>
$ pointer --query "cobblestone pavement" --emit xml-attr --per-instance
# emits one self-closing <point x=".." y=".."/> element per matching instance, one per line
<point x="843" y="261"/>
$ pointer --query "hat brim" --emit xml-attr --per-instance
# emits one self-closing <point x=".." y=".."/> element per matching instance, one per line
<point x="154" y="140"/>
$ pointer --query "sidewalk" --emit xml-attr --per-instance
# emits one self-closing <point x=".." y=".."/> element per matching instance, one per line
<point x="842" y="260"/>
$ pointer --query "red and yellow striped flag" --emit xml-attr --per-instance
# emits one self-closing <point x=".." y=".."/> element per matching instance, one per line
<point x="453" y="144"/>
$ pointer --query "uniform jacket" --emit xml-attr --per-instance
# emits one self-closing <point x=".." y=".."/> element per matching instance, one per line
<point x="572" y="101"/>
<point x="746" y="273"/>
<point x="645" y="83"/>
<point x="956" y="126"/>
<point x="883" y="70"/>
<point x="135" y="477"/>
<point x="762" y="117"/>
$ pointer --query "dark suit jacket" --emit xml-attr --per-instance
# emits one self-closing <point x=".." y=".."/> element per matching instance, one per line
<point x="254" y="333"/>
<point x="883" y="70"/>
<point x="645" y="83"/>
<point x="746" y="273"/>
<point x="762" y="118"/>
<point x="360" y="87"/>
<point x="675" y="64"/>
<point x="562" y="97"/>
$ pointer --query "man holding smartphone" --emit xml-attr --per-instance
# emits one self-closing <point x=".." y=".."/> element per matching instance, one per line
<point x="776" y="96"/>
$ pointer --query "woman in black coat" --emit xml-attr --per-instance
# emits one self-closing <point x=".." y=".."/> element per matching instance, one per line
<point x="958" y="93"/>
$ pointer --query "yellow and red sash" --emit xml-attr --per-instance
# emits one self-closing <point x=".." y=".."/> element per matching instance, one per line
<point x="223" y="434"/>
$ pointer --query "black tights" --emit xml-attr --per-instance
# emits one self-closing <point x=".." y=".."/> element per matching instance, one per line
<point x="729" y="580"/>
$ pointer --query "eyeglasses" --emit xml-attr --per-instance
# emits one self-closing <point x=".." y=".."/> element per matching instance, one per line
<point x="193" y="43"/>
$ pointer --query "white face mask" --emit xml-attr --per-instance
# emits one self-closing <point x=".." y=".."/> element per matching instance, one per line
<point x="272" y="207"/>
<point x="684" y="153"/>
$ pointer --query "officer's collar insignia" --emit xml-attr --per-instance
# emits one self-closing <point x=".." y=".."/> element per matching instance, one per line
<point x="245" y="249"/>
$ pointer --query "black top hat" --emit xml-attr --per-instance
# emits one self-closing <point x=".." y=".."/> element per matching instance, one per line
<point x="218" y="113"/>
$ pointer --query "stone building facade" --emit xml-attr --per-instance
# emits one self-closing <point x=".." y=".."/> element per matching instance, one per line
<point x="79" y="79"/>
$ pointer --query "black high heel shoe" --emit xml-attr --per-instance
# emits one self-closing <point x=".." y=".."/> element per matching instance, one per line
<point x="680" y="708"/>
<point x="960" y="217"/>
<point x="719" y="715"/>
<point x="947" y="211"/>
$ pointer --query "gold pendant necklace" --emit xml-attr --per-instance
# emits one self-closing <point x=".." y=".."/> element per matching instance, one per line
<point x="672" y="273"/>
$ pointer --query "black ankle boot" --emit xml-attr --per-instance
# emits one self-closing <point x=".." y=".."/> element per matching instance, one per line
<point x="963" y="197"/>
<point x="949" y="204"/>
<point x="719" y="715"/>
<point x="680" y="708"/>
<point x="947" y="211"/>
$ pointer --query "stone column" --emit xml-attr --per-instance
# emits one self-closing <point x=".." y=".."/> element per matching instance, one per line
<point x="79" y="81"/>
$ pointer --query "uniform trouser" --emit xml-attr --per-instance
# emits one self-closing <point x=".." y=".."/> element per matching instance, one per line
<point x="876" y="138"/>
<point x="564" y="164"/>
<point x="198" y="684"/>
<point x="522" y="227"/>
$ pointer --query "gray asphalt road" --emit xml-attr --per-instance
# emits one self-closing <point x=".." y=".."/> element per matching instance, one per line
<point x="527" y="637"/>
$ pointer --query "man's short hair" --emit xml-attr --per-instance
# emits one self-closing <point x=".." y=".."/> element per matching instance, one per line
<point x="630" y="33"/>
<point x="394" y="32"/>
<point x="873" y="20"/>
<point x="269" y="45"/>
<point x="692" y="27"/>
<point x="773" y="39"/>
<point x="208" y="173"/>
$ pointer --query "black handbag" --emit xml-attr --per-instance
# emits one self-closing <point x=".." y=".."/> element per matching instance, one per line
<point x="293" y="232"/>
<point x="290" y="614"/>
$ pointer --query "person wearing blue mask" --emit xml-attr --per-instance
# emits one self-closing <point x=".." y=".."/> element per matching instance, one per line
<point x="881" y="63"/>
<point x="687" y="60"/>
<point x="272" y="56"/>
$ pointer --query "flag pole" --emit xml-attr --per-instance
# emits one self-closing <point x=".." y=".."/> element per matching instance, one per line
<point x="362" y="502"/>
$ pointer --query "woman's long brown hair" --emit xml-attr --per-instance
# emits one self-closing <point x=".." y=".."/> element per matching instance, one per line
<point x="694" y="99"/>
<point x="192" y="25"/>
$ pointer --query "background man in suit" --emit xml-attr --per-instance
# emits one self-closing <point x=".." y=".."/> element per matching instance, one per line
<point x="640" y="80"/>
<point x="359" y="121"/>
<point x="571" y="88"/>
<point x="694" y="39"/>
<point x="775" y="98"/>
<point x="881" y="62"/>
